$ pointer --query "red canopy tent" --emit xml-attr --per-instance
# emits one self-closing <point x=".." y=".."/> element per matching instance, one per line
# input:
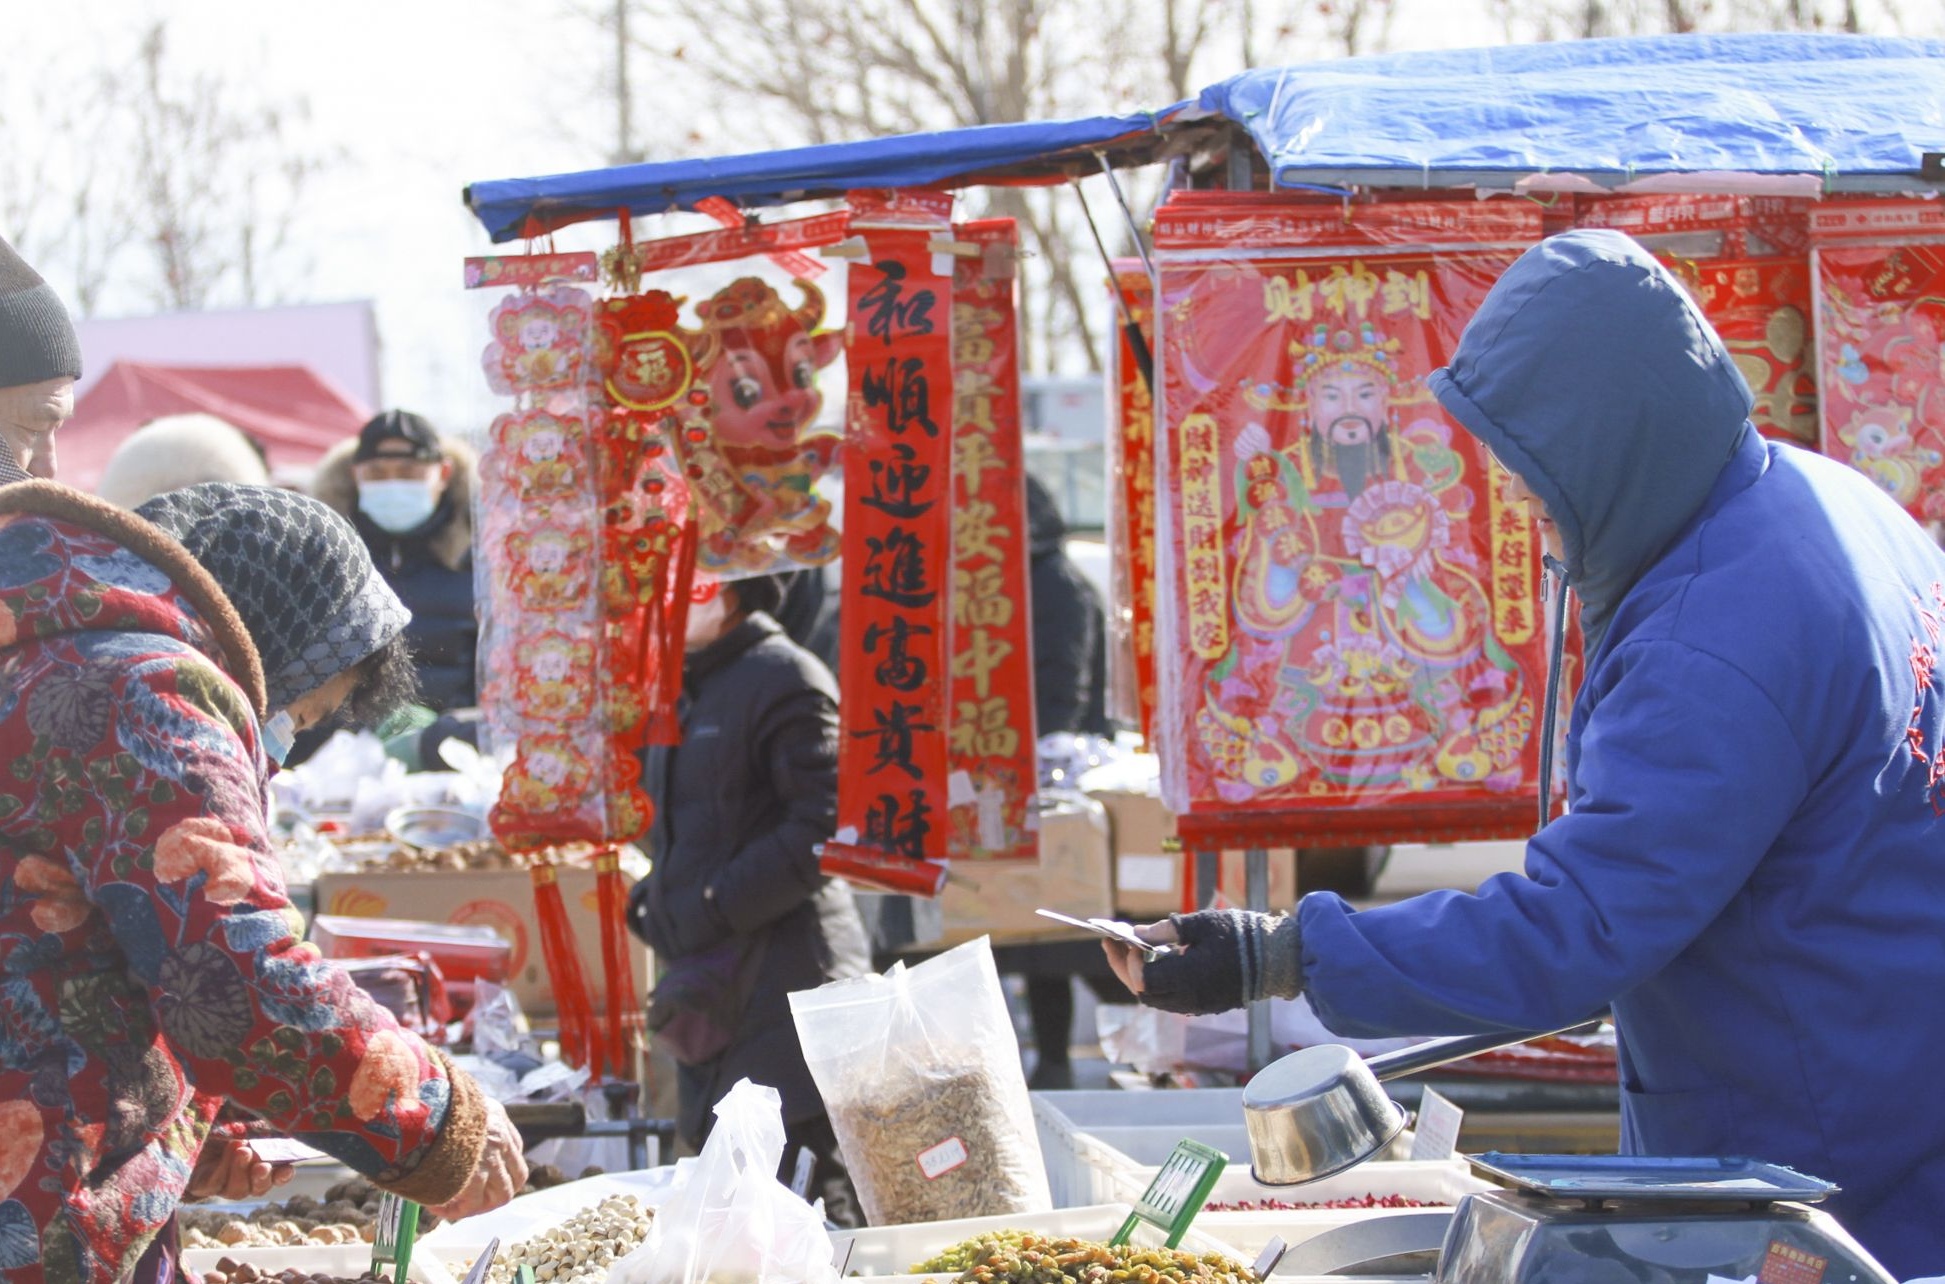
<point x="293" y="412"/>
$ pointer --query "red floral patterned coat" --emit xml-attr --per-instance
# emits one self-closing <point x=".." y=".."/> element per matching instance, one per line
<point x="150" y="961"/>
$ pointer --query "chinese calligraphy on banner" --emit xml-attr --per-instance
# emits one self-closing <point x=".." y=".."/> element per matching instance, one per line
<point x="1880" y="280"/>
<point x="1746" y="261"/>
<point x="1132" y="513"/>
<point x="892" y="803"/>
<point x="1350" y="650"/>
<point x="992" y="786"/>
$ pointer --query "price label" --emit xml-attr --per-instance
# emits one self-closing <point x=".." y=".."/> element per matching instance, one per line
<point x="1439" y="1120"/>
<point x="942" y="1158"/>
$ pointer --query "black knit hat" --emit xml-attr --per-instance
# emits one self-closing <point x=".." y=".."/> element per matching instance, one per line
<point x="36" y="338"/>
<point x="295" y="571"/>
<point x="420" y="438"/>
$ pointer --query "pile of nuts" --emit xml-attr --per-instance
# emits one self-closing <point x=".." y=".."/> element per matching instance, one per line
<point x="231" y="1271"/>
<point x="345" y="1216"/>
<point x="579" y="1250"/>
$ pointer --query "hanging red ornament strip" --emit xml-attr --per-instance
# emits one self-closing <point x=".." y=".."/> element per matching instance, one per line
<point x="897" y="544"/>
<point x="1132" y="512"/>
<point x="648" y="532"/>
<point x="545" y="661"/>
<point x="993" y="776"/>
<point x="1880" y="282"/>
<point x="793" y="261"/>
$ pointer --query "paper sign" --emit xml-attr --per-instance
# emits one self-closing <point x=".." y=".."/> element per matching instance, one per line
<point x="1438" y="1128"/>
<point x="282" y="1150"/>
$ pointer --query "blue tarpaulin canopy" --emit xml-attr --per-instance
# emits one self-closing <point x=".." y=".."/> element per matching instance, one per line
<point x="1825" y="112"/>
<point x="1033" y="151"/>
<point x="1855" y="112"/>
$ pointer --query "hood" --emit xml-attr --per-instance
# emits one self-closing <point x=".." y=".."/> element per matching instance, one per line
<point x="1046" y="529"/>
<point x="299" y="577"/>
<point x="334" y="484"/>
<point x="1590" y="372"/>
<point x="70" y="563"/>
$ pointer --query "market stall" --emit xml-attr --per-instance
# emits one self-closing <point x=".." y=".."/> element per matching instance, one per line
<point x="1370" y="675"/>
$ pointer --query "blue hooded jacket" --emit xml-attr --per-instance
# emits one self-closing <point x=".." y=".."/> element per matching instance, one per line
<point x="1752" y="869"/>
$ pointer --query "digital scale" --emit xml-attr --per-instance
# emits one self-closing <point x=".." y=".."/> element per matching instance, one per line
<point x="1608" y="1219"/>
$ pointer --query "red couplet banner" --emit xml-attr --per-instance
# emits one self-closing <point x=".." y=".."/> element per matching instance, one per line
<point x="1132" y="510"/>
<point x="1351" y="648"/>
<point x="1880" y="280"/>
<point x="992" y="785"/>
<point x="897" y="553"/>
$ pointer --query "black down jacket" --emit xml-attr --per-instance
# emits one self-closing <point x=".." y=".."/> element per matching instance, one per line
<point x="1069" y="627"/>
<point x="739" y="806"/>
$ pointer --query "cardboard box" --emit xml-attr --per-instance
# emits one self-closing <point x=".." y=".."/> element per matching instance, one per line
<point x="502" y="899"/>
<point x="1148" y="864"/>
<point x="998" y="898"/>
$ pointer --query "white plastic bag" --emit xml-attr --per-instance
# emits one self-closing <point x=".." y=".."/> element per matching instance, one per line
<point x="732" y="1221"/>
<point x="920" y="1072"/>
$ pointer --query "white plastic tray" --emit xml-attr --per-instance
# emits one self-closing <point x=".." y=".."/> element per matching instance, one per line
<point x="1445" y="1182"/>
<point x="882" y="1252"/>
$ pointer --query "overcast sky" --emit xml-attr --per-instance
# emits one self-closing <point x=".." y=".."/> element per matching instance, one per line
<point x="418" y="98"/>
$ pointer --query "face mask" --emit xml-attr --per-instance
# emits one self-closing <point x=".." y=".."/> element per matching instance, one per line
<point x="397" y="506"/>
<point x="278" y="735"/>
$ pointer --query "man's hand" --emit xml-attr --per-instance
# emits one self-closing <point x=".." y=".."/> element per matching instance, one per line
<point x="1127" y="961"/>
<point x="501" y="1173"/>
<point x="1222" y="960"/>
<point x="229" y="1169"/>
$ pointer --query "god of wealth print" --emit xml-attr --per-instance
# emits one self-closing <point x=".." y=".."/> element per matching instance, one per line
<point x="1352" y="610"/>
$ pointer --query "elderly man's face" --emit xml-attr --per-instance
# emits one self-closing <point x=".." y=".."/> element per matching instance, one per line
<point x="29" y="414"/>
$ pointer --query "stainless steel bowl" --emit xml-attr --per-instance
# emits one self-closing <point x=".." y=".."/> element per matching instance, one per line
<point x="434" y="827"/>
<point x="1316" y="1112"/>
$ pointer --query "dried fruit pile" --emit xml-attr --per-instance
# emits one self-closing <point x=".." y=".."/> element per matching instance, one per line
<point x="1359" y="1201"/>
<point x="579" y="1250"/>
<point x="1027" y="1257"/>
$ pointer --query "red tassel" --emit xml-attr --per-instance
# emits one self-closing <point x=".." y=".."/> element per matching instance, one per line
<point x="616" y="965"/>
<point x="664" y="725"/>
<point x="580" y="1045"/>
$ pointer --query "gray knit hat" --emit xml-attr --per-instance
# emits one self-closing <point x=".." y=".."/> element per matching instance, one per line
<point x="36" y="338"/>
<point x="297" y="573"/>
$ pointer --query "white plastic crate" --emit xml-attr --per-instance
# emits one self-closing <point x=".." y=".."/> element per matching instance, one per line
<point x="884" y="1252"/>
<point x="1086" y="1135"/>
